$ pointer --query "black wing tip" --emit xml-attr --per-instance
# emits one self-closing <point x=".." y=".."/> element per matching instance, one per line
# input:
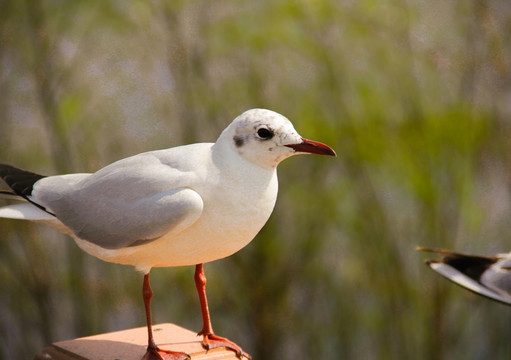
<point x="472" y="266"/>
<point x="20" y="181"/>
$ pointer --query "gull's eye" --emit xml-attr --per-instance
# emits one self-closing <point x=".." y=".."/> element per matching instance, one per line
<point x="265" y="133"/>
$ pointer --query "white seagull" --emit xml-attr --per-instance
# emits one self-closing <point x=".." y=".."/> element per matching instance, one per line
<point x="181" y="206"/>
<point x="489" y="276"/>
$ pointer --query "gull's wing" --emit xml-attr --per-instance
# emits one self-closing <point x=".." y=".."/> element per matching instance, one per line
<point x="117" y="223"/>
<point x="486" y="276"/>
<point x="127" y="203"/>
<point x="468" y="283"/>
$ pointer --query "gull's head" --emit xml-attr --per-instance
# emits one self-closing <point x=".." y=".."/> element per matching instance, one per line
<point x="265" y="138"/>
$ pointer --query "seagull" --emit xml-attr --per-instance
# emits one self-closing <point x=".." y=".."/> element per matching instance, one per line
<point x="489" y="276"/>
<point x="182" y="206"/>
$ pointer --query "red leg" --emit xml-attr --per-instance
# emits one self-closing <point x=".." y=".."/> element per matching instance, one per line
<point x="153" y="352"/>
<point x="210" y="340"/>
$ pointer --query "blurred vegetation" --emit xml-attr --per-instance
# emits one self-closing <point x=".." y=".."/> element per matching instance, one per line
<point x="414" y="96"/>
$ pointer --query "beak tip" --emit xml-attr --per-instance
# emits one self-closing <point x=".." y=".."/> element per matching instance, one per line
<point x="313" y="147"/>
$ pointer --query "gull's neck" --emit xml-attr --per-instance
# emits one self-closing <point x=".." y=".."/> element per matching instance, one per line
<point x="226" y="157"/>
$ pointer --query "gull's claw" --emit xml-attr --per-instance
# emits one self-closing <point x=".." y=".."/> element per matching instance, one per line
<point x="159" y="354"/>
<point x="212" y="341"/>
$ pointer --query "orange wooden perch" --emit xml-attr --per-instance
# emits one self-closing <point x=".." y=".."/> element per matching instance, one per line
<point x="131" y="345"/>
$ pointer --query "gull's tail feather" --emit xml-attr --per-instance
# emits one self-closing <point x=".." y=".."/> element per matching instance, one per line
<point x="25" y="211"/>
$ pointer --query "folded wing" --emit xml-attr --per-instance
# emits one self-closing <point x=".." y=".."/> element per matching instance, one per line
<point x="130" y="202"/>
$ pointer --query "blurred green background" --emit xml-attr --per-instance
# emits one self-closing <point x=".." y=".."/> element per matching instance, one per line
<point x="413" y="95"/>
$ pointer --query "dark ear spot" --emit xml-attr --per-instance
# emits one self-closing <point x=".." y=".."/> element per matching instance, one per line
<point x="238" y="141"/>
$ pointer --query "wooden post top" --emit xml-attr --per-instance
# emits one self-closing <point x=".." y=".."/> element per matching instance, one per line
<point x="131" y="345"/>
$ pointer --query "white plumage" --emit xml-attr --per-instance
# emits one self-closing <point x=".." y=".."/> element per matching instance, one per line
<point x="181" y="206"/>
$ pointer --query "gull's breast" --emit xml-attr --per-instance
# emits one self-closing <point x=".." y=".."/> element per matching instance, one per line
<point x="231" y="218"/>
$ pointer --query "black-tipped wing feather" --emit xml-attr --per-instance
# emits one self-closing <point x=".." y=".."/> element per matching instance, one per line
<point x="488" y="276"/>
<point x="20" y="181"/>
<point x="471" y="265"/>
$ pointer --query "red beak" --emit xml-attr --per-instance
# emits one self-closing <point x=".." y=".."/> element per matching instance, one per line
<point x="312" y="147"/>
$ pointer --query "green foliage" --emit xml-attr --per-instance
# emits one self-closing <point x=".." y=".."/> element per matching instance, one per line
<point x="412" y="95"/>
